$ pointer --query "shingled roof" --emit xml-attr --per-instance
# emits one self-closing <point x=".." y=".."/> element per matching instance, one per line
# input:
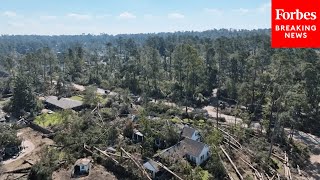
<point x="185" y="146"/>
<point x="192" y="147"/>
<point x="63" y="103"/>
<point x="187" y="132"/>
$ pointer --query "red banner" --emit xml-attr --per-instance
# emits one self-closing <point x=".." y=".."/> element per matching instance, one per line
<point x="295" y="24"/>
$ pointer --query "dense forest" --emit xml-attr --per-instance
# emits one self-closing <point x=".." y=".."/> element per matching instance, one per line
<point x="182" y="67"/>
<point x="276" y="88"/>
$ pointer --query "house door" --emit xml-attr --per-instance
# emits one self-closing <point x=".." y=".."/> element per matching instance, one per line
<point x="76" y="169"/>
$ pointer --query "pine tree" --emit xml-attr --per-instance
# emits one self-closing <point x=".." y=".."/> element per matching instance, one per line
<point x="23" y="99"/>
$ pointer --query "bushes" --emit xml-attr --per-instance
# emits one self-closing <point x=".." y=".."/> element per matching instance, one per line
<point x="40" y="172"/>
<point x="157" y="108"/>
<point x="299" y="154"/>
<point x="7" y="107"/>
<point x="128" y="130"/>
<point x="174" y="112"/>
<point x="112" y="135"/>
<point x="8" y="137"/>
<point x="124" y="109"/>
<point x="215" y="166"/>
<point x="109" y="102"/>
<point x="43" y="169"/>
<point x="108" y="114"/>
<point x="198" y="114"/>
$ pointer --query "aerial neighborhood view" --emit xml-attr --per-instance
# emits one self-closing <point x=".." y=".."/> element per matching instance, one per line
<point x="167" y="89"/>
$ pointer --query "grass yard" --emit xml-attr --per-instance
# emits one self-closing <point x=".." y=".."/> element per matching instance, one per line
<point x="205" y="175"/>
<point x="176" y="120"/>
<point x="46" y="120"/>
<point x="102" y="99"/>
<point x="78" y="98"/>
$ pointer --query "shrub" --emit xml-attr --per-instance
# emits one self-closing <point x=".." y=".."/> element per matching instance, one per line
<point x="109" y="102"/>
<point x="107" y="114"/>
<point x="124" y="109"/>
<point x="174" y="112"/>
<point x="176" y="120"/>
<point x="7" y="107"/>
<point x="128" y="130"/>
<point x="157" y="108"/>
<point x="215" y="167"/>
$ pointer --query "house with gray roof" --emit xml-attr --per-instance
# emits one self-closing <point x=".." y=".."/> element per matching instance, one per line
<point x="194" y="151"/>
<point x="191" y="133"/>
<point x="54" y="102"/>
<point x="152" y="167"/>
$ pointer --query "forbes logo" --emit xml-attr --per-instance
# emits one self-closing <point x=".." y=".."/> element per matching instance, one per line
<point x="281" y="14"/>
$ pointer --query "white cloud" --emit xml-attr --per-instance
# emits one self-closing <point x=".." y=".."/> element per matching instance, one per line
<point x="79" y="16"/>
<point x="15" y="24"/>
<point x="10" y="14"/>
<point x="48" y="17"/>
<point x="241" y="10"/>
<point x="127" y="15"/>
<point x="102" y="16"/>
<point x="148" y="16"/>
<point x="264" y="7"/>
<point x="213" y="11"/>
<point x="175" y="16"/>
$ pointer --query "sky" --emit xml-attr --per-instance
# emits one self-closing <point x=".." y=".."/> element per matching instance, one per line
<point x="72" y="17"/>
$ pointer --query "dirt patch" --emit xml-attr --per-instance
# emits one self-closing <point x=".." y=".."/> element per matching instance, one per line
<point x="229" y="119"/>
<point x="313" y="142"/>
<point x="315" y="158"/>
<point x="97" y="172"/>
<point x="27" y="146"/>
<point x="34" y="143"/>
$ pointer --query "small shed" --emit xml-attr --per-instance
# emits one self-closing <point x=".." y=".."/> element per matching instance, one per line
<point x="111" y="150"/>
<point x="137" y="136"/>
<point x="82" y="167"/>
<point x="152" y="167"/>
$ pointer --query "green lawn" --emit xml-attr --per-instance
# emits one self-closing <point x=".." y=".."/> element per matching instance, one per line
<point x="78" y="98"/>
<point x="205" y="175"/>
<point x="102" y="99"/>
<point x="176" y="120"/>
<point x="190" y="121"/>
<point x="46" y="120"/>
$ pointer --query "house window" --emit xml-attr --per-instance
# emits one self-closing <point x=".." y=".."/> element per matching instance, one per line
<point x="202" y="157"/>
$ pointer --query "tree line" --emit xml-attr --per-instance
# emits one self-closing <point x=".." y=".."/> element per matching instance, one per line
<point x="280" y="87"/>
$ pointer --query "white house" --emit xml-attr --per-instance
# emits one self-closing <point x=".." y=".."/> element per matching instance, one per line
<point x="195" y="151"/>
<point x="82" y="166"/>
<point x="188" y="132"/>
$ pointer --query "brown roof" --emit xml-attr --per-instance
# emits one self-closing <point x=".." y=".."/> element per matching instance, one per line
<point x="187" y="132"/>
<point x="63" y="103"/>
